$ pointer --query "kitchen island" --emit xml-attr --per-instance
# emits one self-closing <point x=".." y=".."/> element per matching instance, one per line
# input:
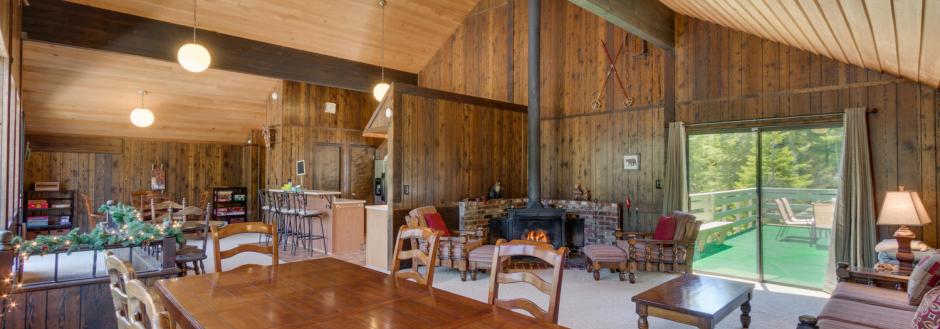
<point x="343" y="220"/>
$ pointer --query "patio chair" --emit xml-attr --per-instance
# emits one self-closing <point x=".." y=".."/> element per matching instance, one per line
<point x="790" y="220"/>
<point x="823" y="214"/>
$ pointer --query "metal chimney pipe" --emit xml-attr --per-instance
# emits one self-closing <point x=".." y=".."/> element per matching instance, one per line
<point x="535" y="167"/>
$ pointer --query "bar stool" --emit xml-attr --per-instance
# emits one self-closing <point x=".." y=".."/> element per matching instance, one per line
<point x="304" y="220"/>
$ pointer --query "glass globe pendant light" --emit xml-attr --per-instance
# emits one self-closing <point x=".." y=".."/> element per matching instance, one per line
<point x="193" y="57"/>
<point x="381" y="88"/>
<point x="142" y="116"/>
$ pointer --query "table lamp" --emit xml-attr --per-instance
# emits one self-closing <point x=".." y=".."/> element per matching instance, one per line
<point x="903" y="208"/>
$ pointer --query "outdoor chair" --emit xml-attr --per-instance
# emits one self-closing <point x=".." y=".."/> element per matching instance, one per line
<point x="790" y="220"/>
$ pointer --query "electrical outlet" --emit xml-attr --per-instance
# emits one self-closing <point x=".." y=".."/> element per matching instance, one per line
<point x="330" y="108"/>
<point x="407" y="189"/>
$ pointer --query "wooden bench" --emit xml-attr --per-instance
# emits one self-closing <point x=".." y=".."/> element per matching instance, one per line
<point x="719" y="231"/>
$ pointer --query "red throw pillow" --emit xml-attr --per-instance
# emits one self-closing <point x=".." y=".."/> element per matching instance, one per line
<point x="665" y="229"/>
<point x="435" y="221"/>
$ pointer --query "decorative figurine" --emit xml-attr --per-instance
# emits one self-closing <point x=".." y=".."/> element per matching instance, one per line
<point x="496" y="192"/>
<point x="578" y="192"/>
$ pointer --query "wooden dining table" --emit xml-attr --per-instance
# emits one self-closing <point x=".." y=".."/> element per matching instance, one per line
<point x="324" y="293"/>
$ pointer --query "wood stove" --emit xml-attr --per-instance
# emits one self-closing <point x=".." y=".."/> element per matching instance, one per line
<point x="532" y="223"/>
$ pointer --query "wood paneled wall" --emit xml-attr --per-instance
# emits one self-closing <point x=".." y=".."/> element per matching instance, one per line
<point x="445" y="150"/>
<point x="723" y="75"/>
<point x="11" y="110"/>
<point x="191" y="169"/>
<point x="336" y="155"/>
<point x="487" y="57"/>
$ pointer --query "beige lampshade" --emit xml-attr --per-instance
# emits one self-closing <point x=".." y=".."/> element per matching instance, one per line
<point x="903" y="208"/>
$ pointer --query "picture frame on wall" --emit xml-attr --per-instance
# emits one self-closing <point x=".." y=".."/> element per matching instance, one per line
<point x="301" y="167"/>
<point x="631" y="161"/>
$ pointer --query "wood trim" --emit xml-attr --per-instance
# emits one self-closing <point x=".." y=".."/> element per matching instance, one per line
<point x="84" y="144"/>
<point x="410" y="89"/>
<point x="798" y="91"/>
<point x="72" y="24"/>
<point x="617" y="110"/>
<point x="650" y="20"/>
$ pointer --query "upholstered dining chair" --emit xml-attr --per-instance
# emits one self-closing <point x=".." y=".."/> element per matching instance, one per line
<point x="415" y="254"/>
<point x="219" y="233"/>
<point x="556" y="258"/>
<point x="142" y="310"/>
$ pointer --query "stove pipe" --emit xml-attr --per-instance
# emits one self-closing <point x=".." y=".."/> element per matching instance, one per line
<point x="534" y="165"/>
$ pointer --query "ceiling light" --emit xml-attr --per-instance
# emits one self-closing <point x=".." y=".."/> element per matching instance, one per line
<point x="142" y="116"/>
<point x="381" y="88"/>
<point x="193" y="56"/>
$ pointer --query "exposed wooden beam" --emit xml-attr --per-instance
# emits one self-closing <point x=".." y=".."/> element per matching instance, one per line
<point x="648" y="19"/>
<point x="78" y="25"/>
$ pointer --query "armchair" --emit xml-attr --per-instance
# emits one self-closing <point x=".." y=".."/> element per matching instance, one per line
<point x="454" y="249"/>
<point x="675" y="255"/>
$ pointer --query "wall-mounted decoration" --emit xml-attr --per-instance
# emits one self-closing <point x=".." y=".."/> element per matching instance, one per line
<point x="268" y="133"/>
<point x="631" y="161"/>
<point x="157" y="177"/>
<point x="301" y="167"/>
<point x="496" y="192"/>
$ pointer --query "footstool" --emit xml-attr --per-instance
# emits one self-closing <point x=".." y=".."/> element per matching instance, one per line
<point x="481" y="258"/>
<point x="606" y="256"/>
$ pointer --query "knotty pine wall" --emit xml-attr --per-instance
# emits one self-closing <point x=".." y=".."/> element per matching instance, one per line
<point x="114" y="172"/>
<point x="726" y="75"/>
<point x="11" y="110"/>
<point x="487" y="57"/>
<point x="336" y="155"/>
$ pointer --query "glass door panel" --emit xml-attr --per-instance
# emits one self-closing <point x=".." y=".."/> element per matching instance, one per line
<point x="799" y="181"/>
<point x="723" y="194"/>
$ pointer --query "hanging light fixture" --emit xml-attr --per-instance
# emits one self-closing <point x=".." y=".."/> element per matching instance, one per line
<point x="193" y="56"/>
<point x="381" y="88"/>
<point x="142" y="116"/>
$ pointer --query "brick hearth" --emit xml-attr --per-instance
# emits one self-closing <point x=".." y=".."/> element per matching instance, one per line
<point x="600" y="218"/>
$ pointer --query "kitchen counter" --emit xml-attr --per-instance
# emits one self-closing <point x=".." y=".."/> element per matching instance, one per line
<point x="308" y="192"/>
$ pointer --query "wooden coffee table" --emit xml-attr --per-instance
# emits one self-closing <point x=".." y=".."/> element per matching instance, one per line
<point x="700" y="301"/>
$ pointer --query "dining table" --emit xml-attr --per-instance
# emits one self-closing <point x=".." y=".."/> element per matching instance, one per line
<point x="324" y="293"/>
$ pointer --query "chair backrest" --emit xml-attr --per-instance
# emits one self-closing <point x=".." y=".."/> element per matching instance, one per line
<point x="783" y="206"/>
<point x="141" y="199"/>
<point x="120" y="272"/>
<point x="93" y="217"/>
<point x="823" y="214"/>
<point x="540" y="250"/>
<point x="143" y="312"/>
<point x="686" y="226"/>
<point x="415" y="254"/>
<point x="158" y="209"/>
<point x="415" y="217"/>
<point x="239" y="228"/>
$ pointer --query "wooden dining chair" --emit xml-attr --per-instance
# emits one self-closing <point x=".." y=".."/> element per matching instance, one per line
<point x="93" y="217"/>
<point x="143" y="311"/>
<point x="187" y="254"/>
<point x="417" y="257"/>
<point x="239" y="228"/>
<point x="543" y="251"/>
<point x="120" y="272"/>
<point x="159" y="209"/>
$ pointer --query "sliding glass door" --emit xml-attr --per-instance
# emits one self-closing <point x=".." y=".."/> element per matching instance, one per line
<point x="766" y="199"/>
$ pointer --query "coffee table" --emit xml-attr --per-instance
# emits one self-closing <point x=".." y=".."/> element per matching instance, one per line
<point x="695" y="300"/>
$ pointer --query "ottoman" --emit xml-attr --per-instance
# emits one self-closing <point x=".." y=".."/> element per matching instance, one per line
<point x="606" y="256"/>
<point x="480" y="258"/>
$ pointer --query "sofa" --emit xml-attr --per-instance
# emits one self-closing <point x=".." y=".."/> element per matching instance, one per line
<point x="864" y="299"/>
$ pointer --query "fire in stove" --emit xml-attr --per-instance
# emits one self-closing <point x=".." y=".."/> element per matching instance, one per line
<point x="537" y="235"/>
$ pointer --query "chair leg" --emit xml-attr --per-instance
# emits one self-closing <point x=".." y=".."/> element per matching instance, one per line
<point x="631" y="266"/>
<point x="473" y="271"/>
<point x="622" y="269"/>
<point x="323" y="235"/>
<point x="597" y="270"/>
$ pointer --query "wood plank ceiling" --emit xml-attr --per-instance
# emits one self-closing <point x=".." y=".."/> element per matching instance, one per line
<point x="349" y="29"/>
<point x="901" y="37"/>
<point x="88" y="92"/>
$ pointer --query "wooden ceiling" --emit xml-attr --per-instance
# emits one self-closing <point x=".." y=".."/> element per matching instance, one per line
<point x="349" y="29"/>
<point x="88" y="92"/>
<point x="901" y="37"/>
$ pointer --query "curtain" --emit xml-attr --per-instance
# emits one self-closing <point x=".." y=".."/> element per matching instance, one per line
<point x="853" y="229"/>
<point x="675" y="193"/>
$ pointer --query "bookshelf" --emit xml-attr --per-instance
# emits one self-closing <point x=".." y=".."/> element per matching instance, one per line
<point x="230" y="204"/>
<point x="48" y="213"/>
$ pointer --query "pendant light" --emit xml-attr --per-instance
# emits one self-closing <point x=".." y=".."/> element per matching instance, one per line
<point x="142" y="116"/>
<point x="193" y="56"/>
<point x="381" y="88"/>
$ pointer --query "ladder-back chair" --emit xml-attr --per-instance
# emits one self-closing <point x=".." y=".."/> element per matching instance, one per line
<point x="556" y="258"/>
<point x="415" y="254"/>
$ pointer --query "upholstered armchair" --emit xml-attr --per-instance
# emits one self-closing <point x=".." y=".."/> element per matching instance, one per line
<point x="673" y="255"/>
<point x="455" y="245"/>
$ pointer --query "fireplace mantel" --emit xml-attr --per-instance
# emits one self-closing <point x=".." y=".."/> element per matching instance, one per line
<point x="600" y="218"/>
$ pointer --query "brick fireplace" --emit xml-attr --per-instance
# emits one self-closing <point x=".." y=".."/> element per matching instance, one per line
<point x="600" y="218"/>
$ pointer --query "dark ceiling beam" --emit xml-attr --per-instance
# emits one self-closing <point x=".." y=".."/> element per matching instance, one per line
<point x="65" y="23"/>
<point x="648" y="19"/>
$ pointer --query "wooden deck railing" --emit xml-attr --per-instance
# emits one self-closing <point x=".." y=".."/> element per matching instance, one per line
<point x="741" y="204"/>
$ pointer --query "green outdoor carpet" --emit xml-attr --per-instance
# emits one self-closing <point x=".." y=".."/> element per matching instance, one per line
<point x="790" y="260"/>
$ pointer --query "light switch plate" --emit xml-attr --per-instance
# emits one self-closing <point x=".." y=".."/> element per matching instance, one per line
<point x="330" y="108"/>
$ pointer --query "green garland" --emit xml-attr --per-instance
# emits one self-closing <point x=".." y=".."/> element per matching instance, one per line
<point x="132" y="231"/>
